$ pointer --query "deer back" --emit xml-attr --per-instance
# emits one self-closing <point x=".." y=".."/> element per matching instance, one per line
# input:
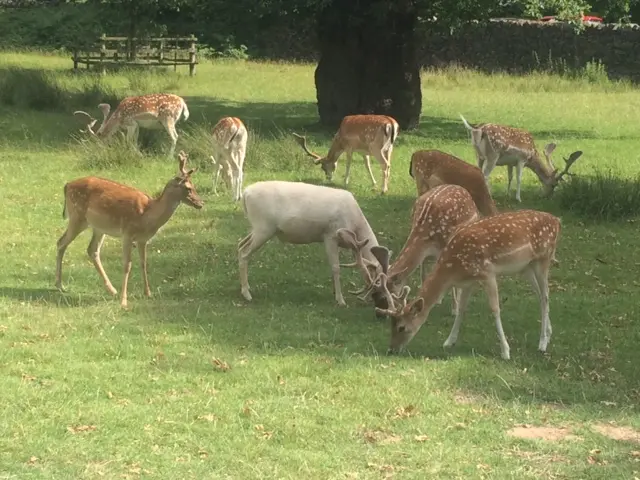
<point x="364" y="133"/>
<point x="431" y="168"/>
<point x="503" y="243"/>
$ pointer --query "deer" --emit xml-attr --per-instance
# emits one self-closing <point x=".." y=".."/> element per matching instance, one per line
<point x="430" y="168"/>
<point x="499" y="145"/>
<point x="437" y="214"/>
<point x="302" y="213"/>
<point x="152" y="111"/>
<point x="229" y="138"/>
<point x="118" y="210"/>
<point x="370" y="135"/>
<point x="519" y="242"/>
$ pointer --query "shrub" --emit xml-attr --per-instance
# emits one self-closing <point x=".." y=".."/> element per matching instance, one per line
<point x="602" y="196"/>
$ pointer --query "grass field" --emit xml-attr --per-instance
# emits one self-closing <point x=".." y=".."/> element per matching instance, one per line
<point x="197" y="383"/>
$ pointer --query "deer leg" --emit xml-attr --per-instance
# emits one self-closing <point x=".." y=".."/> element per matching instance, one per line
<point x="509" y="178"/>
<point x="216" y="178"/>
<point x="333" y="254"/>
<point x="347" y="172"/>
<point x="519" y="168"/>
<point x="465" y="295"/>
<point x="541" y="272"/>
<point x="247" y="246"/>
<point x="127" y="246"/>
<point x="491" y="287"/>
<point x="367" y="163"/>
<point x="455" y="301"/>
<point x="170" y="127"/>
<point x="142" y="251"/>
<point x="94" y="255"/>
<point x="385" y="163"/>
<point x="235" y="175"/>
<point x="74" y="228"/>
<point x="132" y="134"/>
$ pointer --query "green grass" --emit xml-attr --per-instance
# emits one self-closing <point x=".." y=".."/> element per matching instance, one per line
<point x="196" y="383"/>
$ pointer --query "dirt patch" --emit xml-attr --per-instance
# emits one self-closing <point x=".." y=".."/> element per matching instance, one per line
<point x="625" y="434"/>
<point x="465" y="398"/>
<point x="552" y="434"/>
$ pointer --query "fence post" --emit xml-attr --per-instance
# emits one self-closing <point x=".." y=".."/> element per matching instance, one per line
<point x="103" y="53"/>
<point x="161" y="54"/>
<point x="192" y="56"/>
<point x="75" y="60"/>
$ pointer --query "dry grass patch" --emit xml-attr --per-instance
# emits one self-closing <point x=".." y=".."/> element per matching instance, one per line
<point x="625" y="434"/>
<point x="551" y="434"/>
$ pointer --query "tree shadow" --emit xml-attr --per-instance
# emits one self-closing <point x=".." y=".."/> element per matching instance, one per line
<point x="50" y="296"/>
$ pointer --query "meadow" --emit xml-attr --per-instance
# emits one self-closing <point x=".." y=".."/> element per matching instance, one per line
<point x="197" y="383"/>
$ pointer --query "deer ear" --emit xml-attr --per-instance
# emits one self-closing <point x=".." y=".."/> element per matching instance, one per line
<point x="549" y="148"/>
<point x="382" y="254"/>
<point x="417" y="306"/>
<point x="347" y="237"/>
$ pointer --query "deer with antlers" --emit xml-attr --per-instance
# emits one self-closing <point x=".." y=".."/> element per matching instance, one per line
<point x="370" y="135"/>
<point x="430" y="168"/>
<point x="437" y="214"/>
<point x="229" y="138"/>
<point x="117" y="210"/>
<point x="499" y="145"/>
<point x="152" y="111"/>
<point x="509" y="243"/>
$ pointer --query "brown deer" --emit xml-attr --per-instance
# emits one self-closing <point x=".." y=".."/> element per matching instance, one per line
<point x="151" y="111"/>
<point x="229" y="138"/>
<point x="437" y="214"/>
<point x="499" y="145"/>
<point x="522" y="242"/>
<point x="430" y="168"/>
<point x="367" y="134"/>
<point x="117" y="210"/>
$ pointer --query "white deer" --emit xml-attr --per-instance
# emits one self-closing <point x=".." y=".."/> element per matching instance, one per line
<point x="152" y="111"/>
<point x="301" y="213"/>
<point x="229" y="138"/>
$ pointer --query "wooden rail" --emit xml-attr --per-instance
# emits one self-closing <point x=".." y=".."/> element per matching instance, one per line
<point x="161" y="52"/>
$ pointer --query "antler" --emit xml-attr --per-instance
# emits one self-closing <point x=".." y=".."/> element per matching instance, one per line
<point x="90" y="121"/>
<point x="568" y="162"/>
<point x="182" y="160"/>
<point x="302" y="141"/>
<point x="381" y="284"/>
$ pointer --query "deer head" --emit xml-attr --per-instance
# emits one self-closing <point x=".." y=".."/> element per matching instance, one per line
<point x="328" y="166"/>
<point x="105" y="108"/>
<point x="180" y="187"/>
<point x="557" y="177"/>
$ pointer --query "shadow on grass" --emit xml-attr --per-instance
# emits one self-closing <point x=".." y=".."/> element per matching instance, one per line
<point x="51" y="296"/>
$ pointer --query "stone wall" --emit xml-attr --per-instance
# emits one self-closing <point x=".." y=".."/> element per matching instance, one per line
<point x="517" y="46"/>
<point x="524" y="46"/>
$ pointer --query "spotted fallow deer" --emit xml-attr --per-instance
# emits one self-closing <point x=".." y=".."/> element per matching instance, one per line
<point x="499" y="145"/>
<point x="430" y="168"/>
<point x="437" y="214"/>
<point x="229" y="138"/>
<point x="152" y="111"/>
<point x="118" y="210"/>
<point x="508" y="243"/>
<point x="367" y="134"/>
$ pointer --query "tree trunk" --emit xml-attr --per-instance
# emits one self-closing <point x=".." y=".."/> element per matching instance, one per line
<point x="368" y="62"/>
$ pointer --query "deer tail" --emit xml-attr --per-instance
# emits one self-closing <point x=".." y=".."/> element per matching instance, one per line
<point x="64" y="205"/>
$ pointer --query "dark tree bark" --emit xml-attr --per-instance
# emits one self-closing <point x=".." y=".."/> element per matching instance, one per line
<point x="368" y="62"/>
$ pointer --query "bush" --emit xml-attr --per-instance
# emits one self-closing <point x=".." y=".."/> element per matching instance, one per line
<point x="602" y="196"/>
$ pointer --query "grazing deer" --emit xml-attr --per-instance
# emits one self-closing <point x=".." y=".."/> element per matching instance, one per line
<point x="366" y="134"/>
<point x="229" y="137"/>
<point x="523" y="242"/>
<point x="300" y="213"/>
<point x="431" y="168"/>
<point x="118" y="210"/>
<point x="499" y="145"/>
<point x="151" y="111"/>
<point x="437" y="214"/>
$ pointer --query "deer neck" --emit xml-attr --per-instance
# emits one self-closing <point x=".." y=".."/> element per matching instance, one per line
<point x="335" y="151"/>
<point x="432" y="291"/>
<point x="108" y="126"/>
<point x="159" y="211"/>
<point x="541" y="169"/>
<point x="408" y="260"/>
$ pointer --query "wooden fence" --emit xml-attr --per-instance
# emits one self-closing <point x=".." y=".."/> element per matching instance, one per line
<point x="119" y="51"/>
